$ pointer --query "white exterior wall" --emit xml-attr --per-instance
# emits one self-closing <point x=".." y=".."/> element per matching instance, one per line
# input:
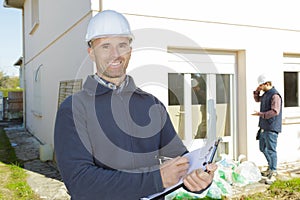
<point x="260" y="35"/>
<point x="54" y="52"/>
<point x="257" y="31"/>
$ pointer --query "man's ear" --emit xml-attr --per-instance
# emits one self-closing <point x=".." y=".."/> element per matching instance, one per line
<point x="91" y="53"/>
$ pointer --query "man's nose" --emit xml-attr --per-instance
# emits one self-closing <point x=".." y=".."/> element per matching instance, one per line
<point x="115" y="52"/>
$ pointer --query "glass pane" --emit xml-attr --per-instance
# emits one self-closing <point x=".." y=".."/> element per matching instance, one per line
<point x="291" y="89"/>
<point x="176" y="106"/>
<point x="223" y="105"/>
<point x="198" y="83"/>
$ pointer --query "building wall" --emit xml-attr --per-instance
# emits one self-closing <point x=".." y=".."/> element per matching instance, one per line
<point x="55" y="19"/>
<point x="260" y="35"/>
<point x="55" y="51"/>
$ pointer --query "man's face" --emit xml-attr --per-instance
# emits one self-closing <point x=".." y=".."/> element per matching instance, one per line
<point x="264" y="87"/>
<point x="111" y="55"/>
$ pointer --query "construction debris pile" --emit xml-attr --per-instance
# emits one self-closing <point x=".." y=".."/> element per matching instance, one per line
<point x="229" y="173"/>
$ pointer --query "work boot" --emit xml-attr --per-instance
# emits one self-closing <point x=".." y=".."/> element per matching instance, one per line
<point x="266" y="172"/>
<point x="271" y="178"/>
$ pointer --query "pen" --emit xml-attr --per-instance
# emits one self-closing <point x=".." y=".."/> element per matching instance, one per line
<point x="162" y="158"/>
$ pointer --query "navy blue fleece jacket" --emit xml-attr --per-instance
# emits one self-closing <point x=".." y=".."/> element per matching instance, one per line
<point x="106" y="142"/>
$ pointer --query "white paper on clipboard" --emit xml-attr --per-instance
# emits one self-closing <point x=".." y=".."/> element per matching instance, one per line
<point x="197" y="159"/>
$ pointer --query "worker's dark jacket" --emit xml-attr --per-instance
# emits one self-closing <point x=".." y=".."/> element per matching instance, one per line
<point x="273" y="123"/>
<point x="107" y="142"/>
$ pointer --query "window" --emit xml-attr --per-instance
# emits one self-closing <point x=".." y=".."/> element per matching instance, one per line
<point x="291" y="80"/>
<point x="34" y="15"/>
<point x="291" y="77"/>
<point x="291" y="96"/>
<point x="215" y="110"/>
<point x="175" y="89"/>
<point x="67" y="88"/>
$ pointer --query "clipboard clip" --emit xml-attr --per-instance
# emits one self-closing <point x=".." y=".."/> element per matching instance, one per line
<point x="213" y="151"/>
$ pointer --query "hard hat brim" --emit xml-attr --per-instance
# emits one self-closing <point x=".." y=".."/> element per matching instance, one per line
<point x="130" y="36"/>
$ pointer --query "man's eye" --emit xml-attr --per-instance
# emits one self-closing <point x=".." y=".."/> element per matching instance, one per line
<point x="105" y="47"/>
<point x="123" y="45"/>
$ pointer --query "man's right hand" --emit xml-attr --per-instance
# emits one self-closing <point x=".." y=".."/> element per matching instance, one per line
<point x="258" y="89"/>
<point x="173" y="170"/>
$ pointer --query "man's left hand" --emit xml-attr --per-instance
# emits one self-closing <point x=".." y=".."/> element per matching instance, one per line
<point x="256" y="113"/>
<point x="199" y="179"/>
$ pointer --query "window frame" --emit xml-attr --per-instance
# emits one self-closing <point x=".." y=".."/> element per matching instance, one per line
<point x="35" y="18"/>
<point x="291" y="63"/>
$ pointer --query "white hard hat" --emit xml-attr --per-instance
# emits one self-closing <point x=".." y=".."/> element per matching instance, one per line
<point x="263" y="78"/>
<point x="194" y="82"/>
<point x="108" y="23"/>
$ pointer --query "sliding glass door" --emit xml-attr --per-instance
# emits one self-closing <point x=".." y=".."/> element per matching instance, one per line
<point x="201" y="108"/>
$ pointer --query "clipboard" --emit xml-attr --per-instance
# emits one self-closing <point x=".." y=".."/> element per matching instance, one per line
<point x="197" y="160"/>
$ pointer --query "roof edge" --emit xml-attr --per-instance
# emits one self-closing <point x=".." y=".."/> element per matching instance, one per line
<point x="19" y="62"/>
<point x="13" y="4"/>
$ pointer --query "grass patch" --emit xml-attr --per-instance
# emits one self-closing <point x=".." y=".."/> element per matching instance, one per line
<point x="279" y="190"/>
<point x="283" y="190"/>
<point x="13" y="183"/>
<point x="7" y="152"/>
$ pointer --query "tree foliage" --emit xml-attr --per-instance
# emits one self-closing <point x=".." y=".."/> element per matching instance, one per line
<point x="8" y="82"/>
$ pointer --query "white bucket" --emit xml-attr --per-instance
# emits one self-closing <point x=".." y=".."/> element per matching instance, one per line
<point x="46" y="152"/>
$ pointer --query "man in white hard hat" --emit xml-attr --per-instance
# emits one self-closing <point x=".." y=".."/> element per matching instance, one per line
<point x="109" y="135"/>
<point x="270" y="120"/>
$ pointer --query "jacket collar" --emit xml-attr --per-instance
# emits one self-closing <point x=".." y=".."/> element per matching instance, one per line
<point x="94" y="88"/>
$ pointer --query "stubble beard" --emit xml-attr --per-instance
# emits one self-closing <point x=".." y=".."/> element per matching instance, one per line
<point x="114" y="76"/>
